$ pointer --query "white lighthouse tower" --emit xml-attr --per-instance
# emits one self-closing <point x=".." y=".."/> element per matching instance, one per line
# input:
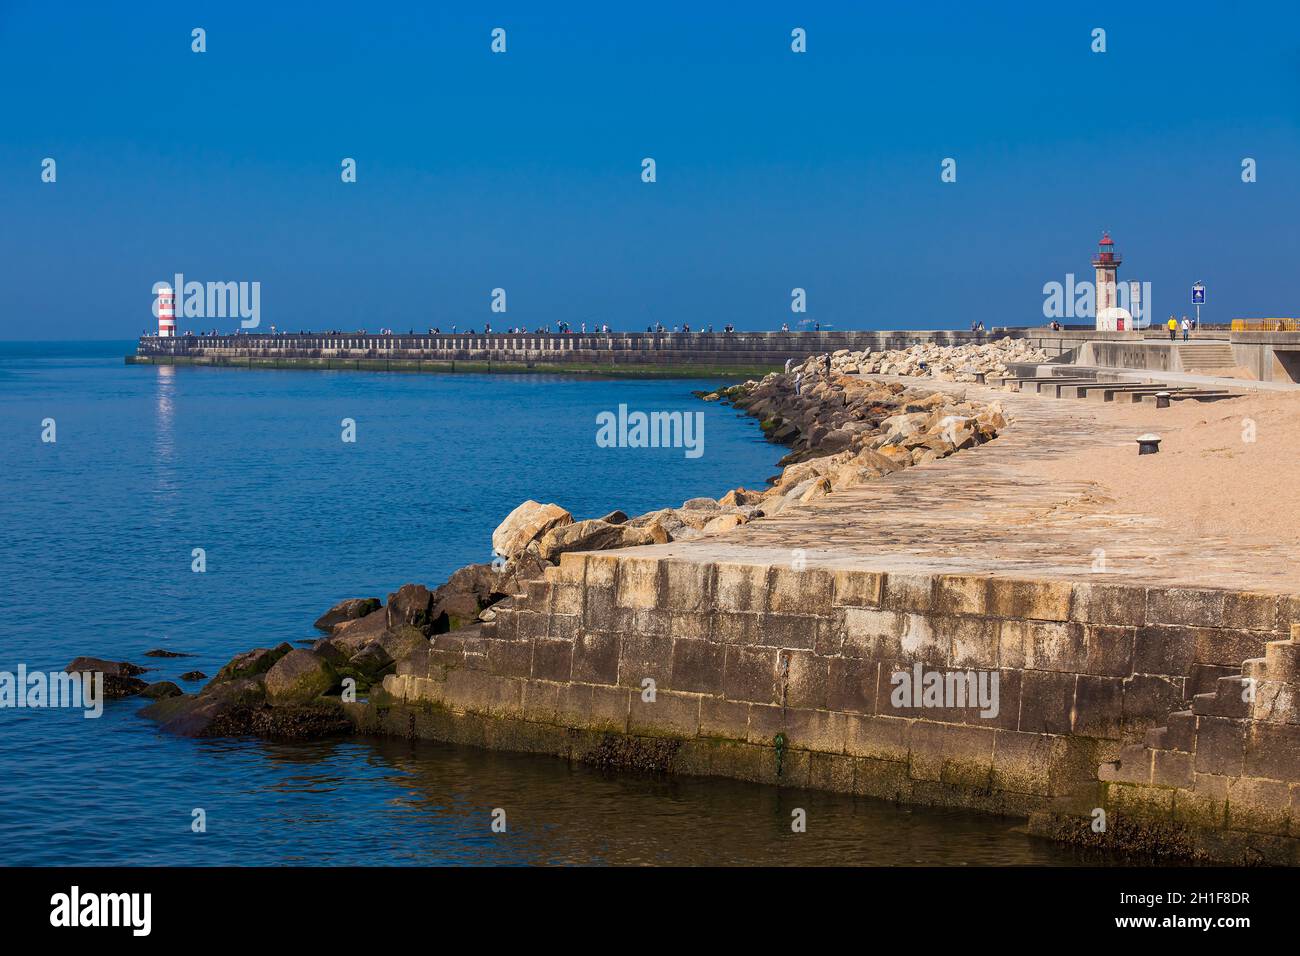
<point x="166" y="312"/>
<point x="1111" y="317"/>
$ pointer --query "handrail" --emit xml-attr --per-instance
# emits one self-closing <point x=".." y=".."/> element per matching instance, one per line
<point x="1266" y="325"/>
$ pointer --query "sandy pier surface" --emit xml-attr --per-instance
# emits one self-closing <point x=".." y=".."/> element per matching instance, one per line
<point x="1062" y="493"/>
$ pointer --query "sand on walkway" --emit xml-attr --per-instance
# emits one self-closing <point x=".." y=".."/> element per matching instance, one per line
<point x="1224" y="468"/>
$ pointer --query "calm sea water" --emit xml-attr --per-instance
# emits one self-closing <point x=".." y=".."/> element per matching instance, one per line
<point x="150" y="463"/>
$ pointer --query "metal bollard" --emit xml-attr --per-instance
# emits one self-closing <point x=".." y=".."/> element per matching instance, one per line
<point x="1148" y="444"/>
<point x="1162" y="399"/>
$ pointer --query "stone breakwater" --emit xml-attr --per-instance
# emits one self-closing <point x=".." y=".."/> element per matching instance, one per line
<point x="873" y="429"/>
<point x="1153" y="717"/>
<point x="787" y="675"/>
<point x="950" y="363"/>
<point x="704" y="353"/>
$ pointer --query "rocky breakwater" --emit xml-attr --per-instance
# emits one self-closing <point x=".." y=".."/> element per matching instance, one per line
<point x="949" y="363"/>
<point x="842" y="429"/>
<point x="300" y="692"/>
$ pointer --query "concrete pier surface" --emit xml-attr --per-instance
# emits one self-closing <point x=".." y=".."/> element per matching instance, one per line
<point x="992" y="511"/>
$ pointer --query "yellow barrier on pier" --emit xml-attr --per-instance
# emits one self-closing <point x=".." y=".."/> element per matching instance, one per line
<point x="1266" y="325"/>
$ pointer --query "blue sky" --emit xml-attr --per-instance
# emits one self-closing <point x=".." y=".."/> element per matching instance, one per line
<point x="522" y="171"/>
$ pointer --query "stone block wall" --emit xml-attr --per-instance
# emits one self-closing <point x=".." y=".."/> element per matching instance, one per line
<point x="1220" y="780"/>
<point x="766" y="672"/>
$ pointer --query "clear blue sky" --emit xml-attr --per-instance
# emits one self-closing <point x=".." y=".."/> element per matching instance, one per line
<point x="522" y="170"/>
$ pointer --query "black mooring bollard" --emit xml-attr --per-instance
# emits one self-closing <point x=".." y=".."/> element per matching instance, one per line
<point x="1162" y="399"/>
<point x="1148" y="444"/>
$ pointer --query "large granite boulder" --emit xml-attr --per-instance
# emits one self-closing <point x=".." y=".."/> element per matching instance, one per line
<point x="512" y="577"/>
<point x="526" y="525"/>
<point x="349" y="610"/>
<point x="160" y="690"/>
<point x="723" y="523"/>
<point x="699" y="504"/>
<point x="354" y="635"/>
<point x="238" y="708"/>
<point x="411" y="605"/>
<point x="597" y="535"/>
<point x="194" y="715"/>
<point x="740" y="496"/>
<point x="465" y="594"/>
<point x="250" y="663"/>
<point x="332" y="651"/>
<point x="378" y="657"/>
<point x="299" y="677"/>
<point x="120" y="678"/>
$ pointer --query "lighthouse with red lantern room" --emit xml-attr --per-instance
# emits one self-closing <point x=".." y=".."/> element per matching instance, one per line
<point x="1106" y="262"/>
<point x="166" y="312"/>
<point x="1110" y="314"/>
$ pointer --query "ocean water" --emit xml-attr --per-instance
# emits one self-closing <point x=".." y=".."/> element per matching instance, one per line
<point x="98" y="532"/>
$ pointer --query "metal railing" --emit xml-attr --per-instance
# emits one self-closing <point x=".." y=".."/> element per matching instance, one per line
<point x="1266" y="325"/>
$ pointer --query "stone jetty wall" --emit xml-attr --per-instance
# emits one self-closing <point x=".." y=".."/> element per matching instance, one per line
<point x="771" y="673"/>
<point x="747" y="352"/>
<point x="1220" y="780"/>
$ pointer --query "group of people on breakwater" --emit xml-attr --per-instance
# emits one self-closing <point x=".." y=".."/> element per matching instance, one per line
<point x="561" y="328"/>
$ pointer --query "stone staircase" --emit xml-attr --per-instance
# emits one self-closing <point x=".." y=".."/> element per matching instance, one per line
<point x="1265" y="690"/>
<point x="1233" y="756"/>
<point x="1207" y="357"/>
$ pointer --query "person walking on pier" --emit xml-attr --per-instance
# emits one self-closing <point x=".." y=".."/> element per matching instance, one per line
<point x="1186" y="327"/>
<point x="1173" y="328"/>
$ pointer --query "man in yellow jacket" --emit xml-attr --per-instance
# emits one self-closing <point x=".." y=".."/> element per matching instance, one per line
<point x="1172" y="325"/>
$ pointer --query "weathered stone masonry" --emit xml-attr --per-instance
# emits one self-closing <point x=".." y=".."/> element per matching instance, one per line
<point x="768" y="673"/>
<point x="1220" y="781"/>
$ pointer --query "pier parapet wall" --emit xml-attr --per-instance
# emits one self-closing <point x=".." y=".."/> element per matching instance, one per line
<point x="744" y="352"/>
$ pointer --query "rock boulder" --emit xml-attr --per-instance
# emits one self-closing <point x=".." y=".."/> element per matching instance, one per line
<point x="299" y="677"/>
<point x="526" y="525"/>
<point x="597" y="535"/>
<point x="250" y="663"/>
<point x="349" y="610"/>
<point x="411" y="605"/>
<point x="120" y="678"/>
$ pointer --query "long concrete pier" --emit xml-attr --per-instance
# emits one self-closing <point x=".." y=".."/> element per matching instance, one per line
<point x="1268" y="357"/>
<point x="623" y="353"/>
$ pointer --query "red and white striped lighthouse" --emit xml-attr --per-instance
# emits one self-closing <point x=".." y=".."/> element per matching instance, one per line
<point x="166" y="312"/>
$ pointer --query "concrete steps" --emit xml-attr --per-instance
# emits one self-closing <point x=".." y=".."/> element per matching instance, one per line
<point x="1206" y="356"/>
<point x="1065" y="386"/>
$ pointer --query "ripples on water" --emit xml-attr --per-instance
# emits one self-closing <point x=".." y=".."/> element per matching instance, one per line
<point x="152" y="462"/>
